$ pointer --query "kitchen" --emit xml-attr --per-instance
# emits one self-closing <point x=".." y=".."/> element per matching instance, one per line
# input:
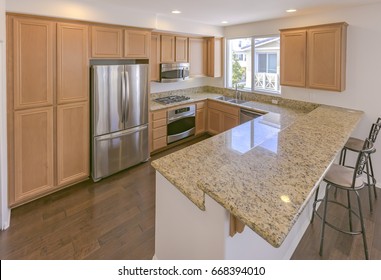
<point x="361" y="73"/>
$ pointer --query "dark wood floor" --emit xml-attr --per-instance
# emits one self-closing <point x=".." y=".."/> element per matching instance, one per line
<point x="115" y="219"/>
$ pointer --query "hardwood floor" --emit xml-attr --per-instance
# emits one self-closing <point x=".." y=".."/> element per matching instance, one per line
<point x="115" y="219"/>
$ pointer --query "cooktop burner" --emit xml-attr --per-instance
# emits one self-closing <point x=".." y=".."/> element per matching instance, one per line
<point x="171" y="99"/>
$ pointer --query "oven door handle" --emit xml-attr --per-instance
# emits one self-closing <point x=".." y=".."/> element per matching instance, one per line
<point x="173" y="119"/>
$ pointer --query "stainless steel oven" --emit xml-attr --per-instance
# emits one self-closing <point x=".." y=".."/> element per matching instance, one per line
<point x="181" y="123"/>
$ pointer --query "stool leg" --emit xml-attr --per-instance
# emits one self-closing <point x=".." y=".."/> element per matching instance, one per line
<point x="362" y="227"/>
<point x="314" y="205"/>
<point x="369" y="186"/>
<point x="373" y="179"/>
<point x="350" y="212"/>
<point x="323" y="221"/>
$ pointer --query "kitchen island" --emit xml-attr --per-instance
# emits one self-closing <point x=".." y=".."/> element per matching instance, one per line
<point x="263" y="172"/>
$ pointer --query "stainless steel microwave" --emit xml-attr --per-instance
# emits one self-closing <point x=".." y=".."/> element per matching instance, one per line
<point x="174" y="72"/>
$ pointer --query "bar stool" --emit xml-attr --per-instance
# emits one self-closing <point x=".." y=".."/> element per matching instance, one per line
<point x="350" y="180"/>
<point x="355" y="145"/>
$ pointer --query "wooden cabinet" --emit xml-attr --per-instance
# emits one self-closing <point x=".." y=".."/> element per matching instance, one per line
<point x="72" y="63"/>
<point x="154" y="60"/>
<point x="214" y="48"/>
<point x="221" y="117"/>
<point x="159" y="130"/>
<point x="33" y="154"/>
<point x="106" y="42"/>
<point x="136" y="43"/>
<point x="181" y="53"/>
<point x="33" y="61"/>
<point x="167" y="48"/>
<point x="314" y="57"/>
<point x="72" y="143"/>
<point x="48" y="121"/>
<point x="200" y="117"/>
<point x="198" y="57"/>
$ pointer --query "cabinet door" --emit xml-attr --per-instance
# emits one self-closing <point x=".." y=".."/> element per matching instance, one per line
<point x="136" y="43"/>
<point x="326" y="57"/>
<point x="293" y="58"/>
<point x="33" y="149"/>
<point x="228" y="121"/>
<point x="198" y="57"/>
<point x="181" y="44"/>
<point x="167" y="48"/>
<point x="214" y="123"/>
<point x="34" y="43"/>
<point x="72" y="143"/>
<point x="72" y="63"/>
<point x="200" y="121"/>
<point x="214" y="57"/>
<point x="154" y="60"/>
<point x="106" y="41"/>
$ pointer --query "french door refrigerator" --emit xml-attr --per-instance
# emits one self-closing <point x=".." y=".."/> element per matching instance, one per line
<point x="119" y="117"/>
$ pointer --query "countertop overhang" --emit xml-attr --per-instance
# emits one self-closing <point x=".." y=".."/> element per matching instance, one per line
<point x="263" y="171"/>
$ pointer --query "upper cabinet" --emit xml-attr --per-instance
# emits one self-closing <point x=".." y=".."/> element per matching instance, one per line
<point x="214" y="48"/>
<point x="72" y="63"/>
<point x="136" y="43"/>
<point x="181" y="53"/>
<point x="167" y="48"/>
<point x="106" y="42"/>
<point x="34" y="62"/>
<point x="154" y="59"/>
<point x="197" y="57"/>
<point x="314" y="57"/>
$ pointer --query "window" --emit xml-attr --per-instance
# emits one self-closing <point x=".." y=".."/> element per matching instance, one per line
<point x="254" y="68"/>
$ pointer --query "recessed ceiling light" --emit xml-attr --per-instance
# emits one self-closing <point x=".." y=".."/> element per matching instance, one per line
<point x="290" y="10"/>
<point x="176" y="12"/>
<point x="224" y="22"/>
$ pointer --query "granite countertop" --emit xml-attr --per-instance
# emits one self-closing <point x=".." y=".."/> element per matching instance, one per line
<point x="263" y="171"/>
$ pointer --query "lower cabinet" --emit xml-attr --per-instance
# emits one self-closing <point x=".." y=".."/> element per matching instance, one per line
<point x="72" y="143"/>
<point x="200" y="117"/>
<point x="159" y="130"/>
<point x="221" y="117"/>
<point x="33" y="154"/>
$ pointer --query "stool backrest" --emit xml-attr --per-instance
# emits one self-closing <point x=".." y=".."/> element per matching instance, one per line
<point x="375" y="130"/>
<point x="362" y="159"/>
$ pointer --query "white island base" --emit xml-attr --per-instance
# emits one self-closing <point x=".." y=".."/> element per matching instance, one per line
<point x="184" y="232"/>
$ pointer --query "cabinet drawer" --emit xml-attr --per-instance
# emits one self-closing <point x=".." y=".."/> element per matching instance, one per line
<point x="159" y="123"/>
<point x="224" y="108"/>
<point x="159" y="143"/>
<point x="159" y="132"/>
<point x="200" y="105"/>
<point x="159" y="115"/>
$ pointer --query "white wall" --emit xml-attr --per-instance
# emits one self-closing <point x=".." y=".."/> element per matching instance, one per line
<point x="363" y="63"/>
<point x="4" y="211"/>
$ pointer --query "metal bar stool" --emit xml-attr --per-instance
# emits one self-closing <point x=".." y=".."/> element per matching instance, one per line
<point x="355" y="145"/>
<point x="350" y="180"/>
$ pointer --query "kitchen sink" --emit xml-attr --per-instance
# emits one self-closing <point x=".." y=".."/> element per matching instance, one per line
<point x="237" y="101"/>
<point x="224" y="98"/>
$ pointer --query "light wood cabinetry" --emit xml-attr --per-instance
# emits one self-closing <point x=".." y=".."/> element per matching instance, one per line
<point x="136" y="43"/>
<point x="33" y="140"/>
<point x="159" y="129"/>
<point x="314" y="57"/>
<point x="198" y="57"/>
<point x="106" y="42"/>
<point x="48" y="127"/>
<point x="72" y="63"/>
<point x="214" y="48"/>
<point x="221" y="117"/>
<point x="33" y="61"/>
<point x="200" y="117"/>
<point x="181" y="53"/>
<point x="72" y="143"/>
<point x="154" y="60"/>
<point x="167" y="48"/>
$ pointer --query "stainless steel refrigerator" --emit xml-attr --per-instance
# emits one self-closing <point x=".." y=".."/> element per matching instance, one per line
<point x="119" y="117"/>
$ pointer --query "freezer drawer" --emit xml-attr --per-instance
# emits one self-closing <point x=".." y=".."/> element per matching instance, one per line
<point x="117" y="151"/>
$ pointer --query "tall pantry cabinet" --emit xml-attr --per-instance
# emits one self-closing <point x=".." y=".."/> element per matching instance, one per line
<point x="48" y="119"/>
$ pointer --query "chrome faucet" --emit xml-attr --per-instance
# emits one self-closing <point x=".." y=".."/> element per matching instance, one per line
<point x="238" y="94"/>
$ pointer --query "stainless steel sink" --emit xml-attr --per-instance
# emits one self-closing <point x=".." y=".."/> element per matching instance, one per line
<point x="237" y="101"/>
<point x="224" y="98"/>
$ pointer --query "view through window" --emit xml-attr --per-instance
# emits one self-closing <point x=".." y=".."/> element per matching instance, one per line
<point x="253" y="64"/>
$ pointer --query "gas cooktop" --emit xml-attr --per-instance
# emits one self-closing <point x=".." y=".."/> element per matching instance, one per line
<point x="171" y="99"/>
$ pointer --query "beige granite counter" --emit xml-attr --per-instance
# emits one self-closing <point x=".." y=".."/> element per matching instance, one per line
<point x="265" y="170"/>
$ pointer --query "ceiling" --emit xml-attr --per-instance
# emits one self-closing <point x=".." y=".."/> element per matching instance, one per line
<point x="213" y="12"/>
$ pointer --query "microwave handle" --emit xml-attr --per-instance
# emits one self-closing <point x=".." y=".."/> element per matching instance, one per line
<point x="183" y="74"/>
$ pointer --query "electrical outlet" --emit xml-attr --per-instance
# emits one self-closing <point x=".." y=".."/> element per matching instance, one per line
<point x="274" y="101"/>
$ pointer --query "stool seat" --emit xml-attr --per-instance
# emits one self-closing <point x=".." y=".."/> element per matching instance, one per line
<point x="342" y="177"/>
<point x="354" y="144"/>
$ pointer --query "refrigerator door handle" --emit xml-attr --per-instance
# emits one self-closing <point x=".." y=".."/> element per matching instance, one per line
<point x="127" y="94"/>
<point x="123" y="133"/>
<point x="123" y="98"/>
